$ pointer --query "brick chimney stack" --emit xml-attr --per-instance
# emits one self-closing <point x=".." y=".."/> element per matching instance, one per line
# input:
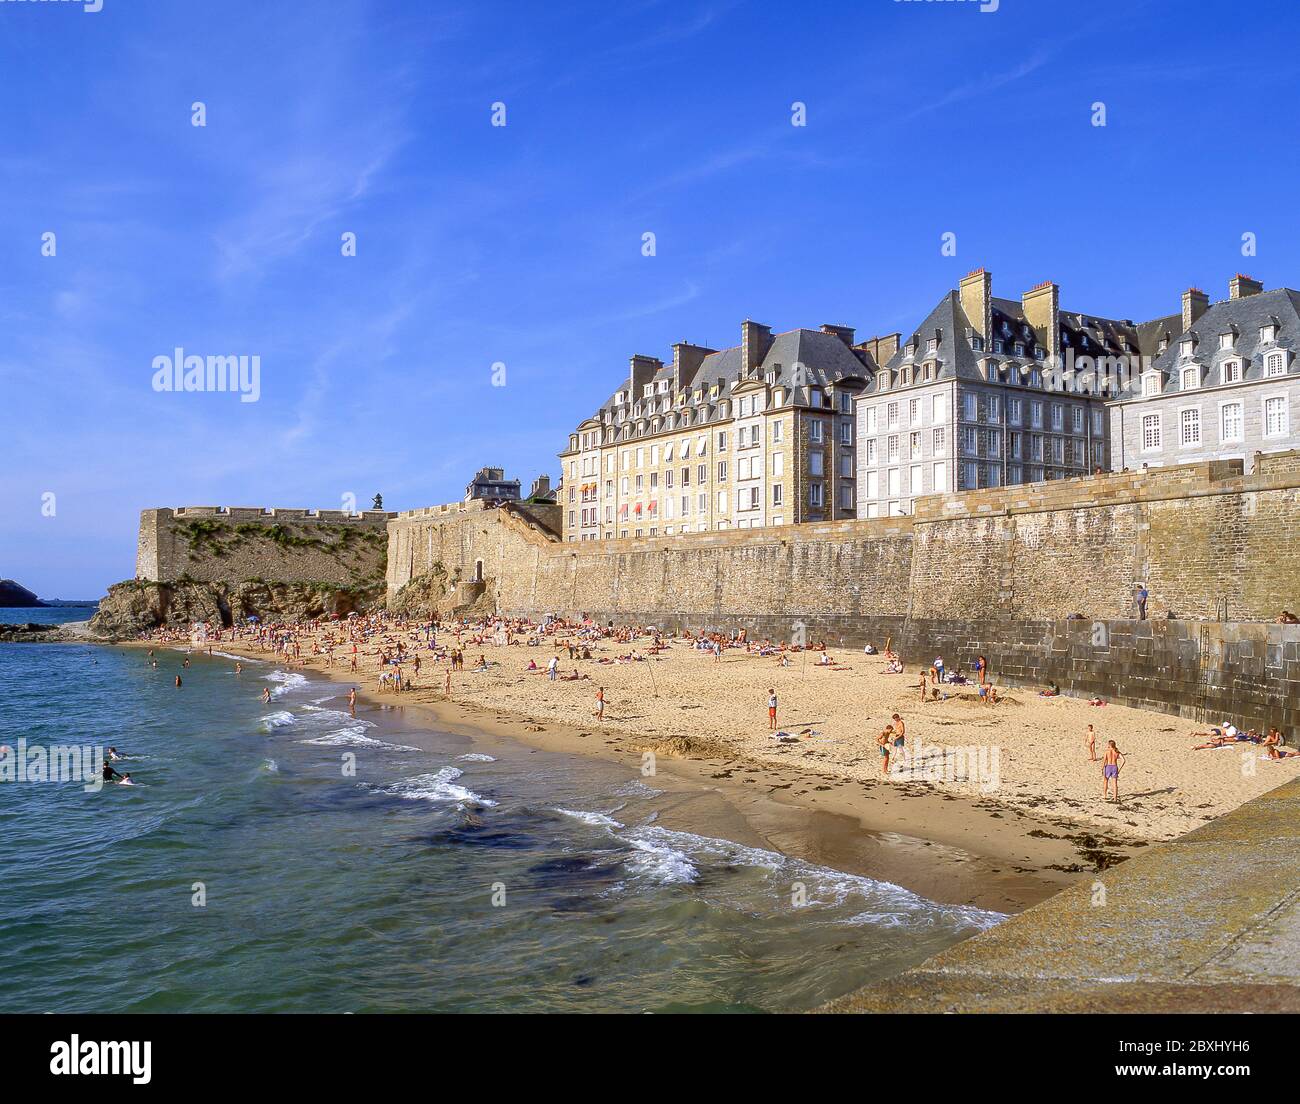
<point x="1241" y="286"/>
<point x="844" y="333"/>
<point x="755" y="340"/>
<point x="977" y="301"/>
<point x="1195" y="304"/>
<point x="1042" y="305"/>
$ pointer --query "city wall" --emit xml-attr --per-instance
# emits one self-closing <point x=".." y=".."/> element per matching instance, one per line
<point x="237" y="544"/>
<point x="1039" y="578"/>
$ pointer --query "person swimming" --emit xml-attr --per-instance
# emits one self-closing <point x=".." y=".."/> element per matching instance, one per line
<point x="113" y="754"/>
<point x="107" y="773"/>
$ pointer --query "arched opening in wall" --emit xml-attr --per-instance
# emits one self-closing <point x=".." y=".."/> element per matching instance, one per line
<point x="478" y="571"/>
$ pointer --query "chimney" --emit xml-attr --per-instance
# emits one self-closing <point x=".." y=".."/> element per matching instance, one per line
<point x="1042" y="305"/>
<point x="687" y="359"/>
<point x="844" y="333"/>
<point x="977" y="301"/>
<point x="1195" y="304"/>
<point x="643" y="370"/>
<point x="541" y="487"/>
<point x="755" y="340"/>
<point x="1241" y="286"/>
<point x="878" y="350"/>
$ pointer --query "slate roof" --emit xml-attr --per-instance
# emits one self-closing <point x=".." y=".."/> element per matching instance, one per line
<point x="1248" y="315"/>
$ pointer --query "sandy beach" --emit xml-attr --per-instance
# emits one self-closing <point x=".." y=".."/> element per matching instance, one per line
<point x="1004" y="839"/>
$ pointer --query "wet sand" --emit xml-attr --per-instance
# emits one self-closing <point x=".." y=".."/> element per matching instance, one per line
<point x="950" y="847"/>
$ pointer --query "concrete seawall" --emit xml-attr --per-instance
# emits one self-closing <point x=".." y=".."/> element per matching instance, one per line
<point x="1207" y="923"/>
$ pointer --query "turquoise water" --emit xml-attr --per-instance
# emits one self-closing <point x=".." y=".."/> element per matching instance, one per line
<point x="45" y="615"/>
<point x="374" y="892"/>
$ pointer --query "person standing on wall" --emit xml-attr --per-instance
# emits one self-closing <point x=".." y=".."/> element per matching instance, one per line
<point x="1141" y="598"/>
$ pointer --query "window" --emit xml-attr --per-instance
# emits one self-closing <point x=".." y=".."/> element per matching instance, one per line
<point x="940" y="441"/>
<point x="914" y="445"/>
<point x="722" y="442"/>
<point x="1013" y="411"/>
<point x="778" y="495"/>
<point x="1275" y="364"/>
<point x="1036" y="414"/>
<point x="846" y="433"/>
<point x="815" y="431"/>
<point x="940" y="408"/>
<point x="815" y="463"/>
<point x="914" y="412"/>
<point x="1076" y="416"/>
<point x="1150" y="432"/>
<point x="1189" y="429"/>
<point x="1190" y="378"/>
<point x="701" y="473"/>
<point x="1275" y="416"/>
<point x="871" y="419"/>
<point x="940" y="477"/>
<point x="1230" y="422"/>
<point x="891" y="415"/>
<point x="893" y="481"/>
<point x="776" y="431"/>
<point x="970" y="407"/>
<point x="722" y="471"/>
<point x="873" y="484"/>
<point x="1232" y="371"/>
<point x="1151" y="384"/>
<point x="893" y="449"/>
<point x="815" y="495"/>
<point x="914" y="479"/>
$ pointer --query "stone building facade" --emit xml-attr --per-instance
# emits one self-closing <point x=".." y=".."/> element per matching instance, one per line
<point x="761" y="434"/>
<point x="985" y="394"/>
<point x="1227" y="386"/>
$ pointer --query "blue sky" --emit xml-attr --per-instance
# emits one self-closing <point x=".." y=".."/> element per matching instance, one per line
<point x="522" y="244"/>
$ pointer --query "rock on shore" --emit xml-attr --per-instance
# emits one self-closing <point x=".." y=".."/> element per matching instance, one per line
<point x="136" y="606"/>
<point x="32" y="633"/>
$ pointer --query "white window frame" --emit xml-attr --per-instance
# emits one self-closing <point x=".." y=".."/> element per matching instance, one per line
<point x="1159" y="432"/>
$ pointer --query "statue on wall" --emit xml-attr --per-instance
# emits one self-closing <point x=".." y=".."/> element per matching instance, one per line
<point x="379" y="502"/>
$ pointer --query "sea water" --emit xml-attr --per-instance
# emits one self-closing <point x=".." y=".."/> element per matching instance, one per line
<point x="292" y="857"/>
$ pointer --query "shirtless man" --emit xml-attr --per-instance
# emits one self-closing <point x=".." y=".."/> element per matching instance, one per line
<point x="900" y="732"/>
<point x="885" y="741"/>
<point x="1111" y="761"/>
<point x="1090" y="742"/>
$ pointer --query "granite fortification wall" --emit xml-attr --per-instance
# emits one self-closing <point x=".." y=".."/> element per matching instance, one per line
<point x="1040" y="578"/>
<point x="236" y="544"/>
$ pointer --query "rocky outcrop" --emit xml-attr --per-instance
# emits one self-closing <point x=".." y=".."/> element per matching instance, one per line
<point x="31" y="633"/>
<point x="422" y="596"/>
<point x="137" y="606"/>
<point x="17" y="597"/>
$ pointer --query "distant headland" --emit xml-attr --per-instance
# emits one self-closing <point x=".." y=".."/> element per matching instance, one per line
<point x="13" y="596"/>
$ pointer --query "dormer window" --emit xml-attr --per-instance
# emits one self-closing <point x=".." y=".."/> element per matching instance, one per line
<point x="1232" y="371"/>
<point x="977" y="343"/>
<point x="1151" y="383"/>
<point x="1186" y="346"/>
<point x="1020" y="348"/>
<point x="1226" y="340"/>
<point x="1275" y="364"/>
<point x="998" y="345"/>
<point x="1006" y="329"/>
<point x="882" y="380"/>
<point x="931" y="345"/>
<point x="909" y="350"/>
<point x="1190" y="379"/>
<point x="1267" y="334"/>
<point x="1162" y="345"/>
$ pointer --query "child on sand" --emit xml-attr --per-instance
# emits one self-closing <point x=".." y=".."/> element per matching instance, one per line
<point x="1111" y="762"/>
<point x="923" y="681"/>
<point x="1090" y="742"/>
<point x="600" y="704"/>
<point x="771" y="709"/>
